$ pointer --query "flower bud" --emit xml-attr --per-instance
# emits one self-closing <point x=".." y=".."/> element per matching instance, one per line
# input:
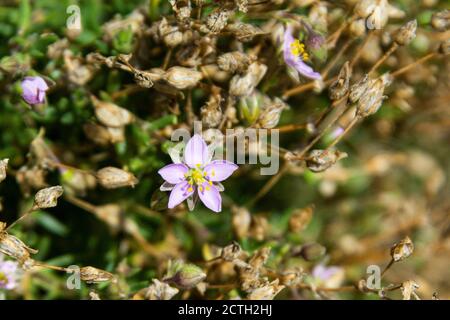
<point x="3" y="166"/>
<point x="110" y="114"/>
<point x="182" y="78"/>
<point x="300" y="219"/>
<point x="321" y="160"/>
<point x="340" y="87"/>
<point x="112" y="178"/>
<point x="312" y="251"/>
<point x="250" y="107"/>
<point x="185" y="275"/>
<point x="402" y="250"/>
<point x="235" y="61"/>
<point x="94" y="275"/>
<point x="34" y="90"/>
<point x="441" y="20"/>
<point x="47" y="198"/>
<point x="406" y="33"/>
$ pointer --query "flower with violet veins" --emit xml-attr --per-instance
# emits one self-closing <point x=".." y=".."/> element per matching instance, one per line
<point x="9" y="273"/>
<point x="196" y="176"/>
<point x="33" y="90"/>
<point x="294" y="55"/>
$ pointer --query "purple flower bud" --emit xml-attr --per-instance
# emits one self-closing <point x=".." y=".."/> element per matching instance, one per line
<point x="33" y="90"/>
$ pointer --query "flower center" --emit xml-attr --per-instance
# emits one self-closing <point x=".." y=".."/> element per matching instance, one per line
<point x="298" y="49"/>
<point x="197" y="176"/>
<point x="3" y="278"/>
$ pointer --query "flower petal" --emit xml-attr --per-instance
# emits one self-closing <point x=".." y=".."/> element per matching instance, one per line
<point x="174" y="173"/>
<point x="219" y="170"/>
<point x="180" y="192"/>
<point x="196" y="152"/>
<point x="166" y="186"/>
<point x="210" y="197"/>
<point x="306" y="70"/>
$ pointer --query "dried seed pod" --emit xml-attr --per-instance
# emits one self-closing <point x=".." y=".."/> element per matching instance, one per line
<point x="408" y="289"/>
<point x="259" y="227"/>
<point x="241" y="221"/>
<point x="441" y="20"/>
<point x="156" y="291"/>
<point x="373" y="97"/>
<point x="14" y="247"/>
<point x="217" y="20"/>
<point x="31" y="178"/>
<point x="95" y="275"/>
<point x="291" y="277"/>
<point x="300" y="219"/>
<point x="444" y="48"/>
<point x="406" y="33"/>
<point x="171" y="35"/>
<point x="211" y="112"/>
<point x="3" y="166"/>
<point x="182" y="78"/>
<point x="47" y="198"/>
<point x="244" y="85"/>
<point x="402" y="250"/>
<point x="235" y="61"/>
<point x="110" y="114"/>
<point x="259" y="258"/>
<point x="112" y="178"/>
<point x="267" y="292"/>
<point x="231" y="252"/>
<point x="358" y="89"/>
<point x="242" y="5"/>
<point x="375" y="11"/>
<point x="312" y="251"/>
<point x="339" y="88"/>
<point x="97" y="133"/>
<point x="358" y="28"/>
<point x="271" y="115"/>
<point x="244" y="31"/>
<point x="321" y="160"/>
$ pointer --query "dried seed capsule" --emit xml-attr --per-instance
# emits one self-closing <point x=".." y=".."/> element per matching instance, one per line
<point x="156" y="291"/>
<point x="3" y="166"/>
<point x="444" y="48"/>
<point x="300" y="219"/>
<point x="358" y="89"/>
<point x="408" y="289"/>
<point x="231" y="252"/>
<point x="235" y="61"/>
<point x="94" y="275"/>
<point x="291" y="277"/>
<point x="112" y="178"/>
<point x="241" y="221"/>
<point x="217" y="20"/>
<point x="97" y="133"/>
<point x="211" y="112"/>
<point x="267" y="292"/>
<point x="14" y="247"/>
<point x="406" y="33"/>
<point x="244" y="31"/>
<point x="271" y="115"/>
<point x="402" y="250"/>
<point x="441" y="20"/>
<point x="110" y="114"/>
<point x="47" y="198"/>
<point x="244" y="85"/>
<point x="373" y="97"/>
<point x="321" y="160"/>
<point x="182" y="78"/>
<point x="242" y="5"/>
<point x="340" y="87"/>
<point x="312" y="251"/>
<point x="171" y="35"/>
<point x="358" y="28"/>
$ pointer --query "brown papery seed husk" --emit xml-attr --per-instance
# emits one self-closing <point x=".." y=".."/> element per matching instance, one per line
<point x="111" y="178"/>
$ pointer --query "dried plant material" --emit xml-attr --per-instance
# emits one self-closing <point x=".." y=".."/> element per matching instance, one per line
<point x="235" y="61"/>
<point x="184" y="275"/>
<point x="15" y="248"/>
<point x="95" y="275"/>
<point x="300" y="219"/>
<point x="258" y="227"/>
<point x="372" y="98"/>
<point x="112" y="178"/>
<point x="47" y="198"/>
<point x="340" y="87"/>
<point x="321" y="160"/>
<point x="408" y="289"/>
<point x="110" y="114"/>
<point x="406" y="33"/>
<point x="267" y="292"/>
<point x="271" y="114"/>
<point x="156" y="291"/>
<point x="3" y="166"/>
<point x="182" y="78"/>
<point x="231" y="252"/>
<point x="241" y="222"/>
<point x="312" y="251"/>
<point x="211" y="112"/>
<point x="441" y="20"/>
<point x="291" y="277"/>
<point x="171" y="36"/>
<point x="402" y="250"/>
<point x="243" y="31"/>
<point x="244" y="85"/>
<point x="217" y="20"/>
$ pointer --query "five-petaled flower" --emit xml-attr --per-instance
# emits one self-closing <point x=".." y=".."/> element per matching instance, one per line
<point x="294" y="55"/>
<point x="33" y="90"/>
<point x="196" y="176"/>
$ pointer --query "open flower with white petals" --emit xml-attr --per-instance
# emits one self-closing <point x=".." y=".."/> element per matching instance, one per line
<point x="196" y="176"/>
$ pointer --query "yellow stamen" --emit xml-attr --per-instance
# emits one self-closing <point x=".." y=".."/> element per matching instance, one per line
<point x="297" y="48"/>
<point x="190" y="189"/>
<point x="210" y="183"/>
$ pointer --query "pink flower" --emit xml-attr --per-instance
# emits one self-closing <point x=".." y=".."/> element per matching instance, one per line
<point x="294" y="55"/>
<point x="196" y="176"/>
<point x="9" y="273"/>
<point x="33" y="90"/>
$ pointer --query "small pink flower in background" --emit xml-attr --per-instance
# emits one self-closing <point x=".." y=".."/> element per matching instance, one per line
<point x="294" y="55"/>
<point x="33" y="90"/>
<point x="328" y="277"/>
<point x="196" y="176"/>
<point x="9" y="274"/>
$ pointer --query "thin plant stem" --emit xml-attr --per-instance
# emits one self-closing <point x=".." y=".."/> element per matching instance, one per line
<point x="380" y="61"/>
<point x="413" y="64"/>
